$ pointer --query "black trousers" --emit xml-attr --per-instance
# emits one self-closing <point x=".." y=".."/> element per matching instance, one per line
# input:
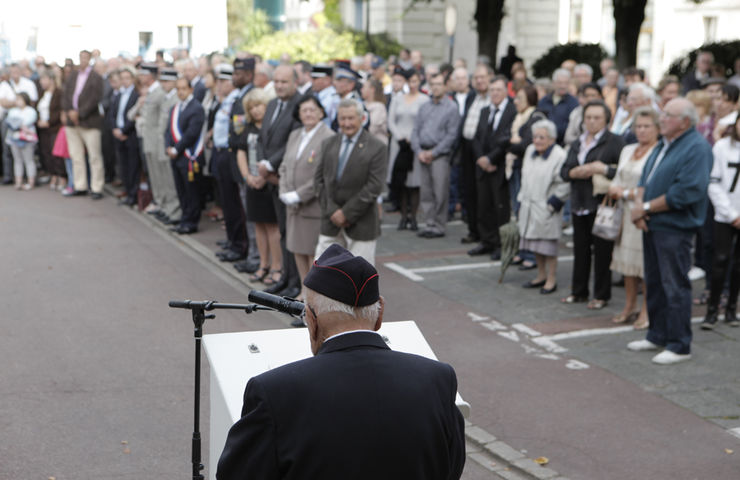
<point x="468" y="184"/>
<point x="129" y="159"/>
<point x="704" y="249"/>
<point x="231" y="203"/>
<point x="584" y="246"/>
<point x="290" y="269"/>
<point x="188" y="192"/>
<point x="494" y="207"/>
<point x="726" y="257"/>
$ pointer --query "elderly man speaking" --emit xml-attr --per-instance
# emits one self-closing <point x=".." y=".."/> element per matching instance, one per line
<point x="357" y="409"/>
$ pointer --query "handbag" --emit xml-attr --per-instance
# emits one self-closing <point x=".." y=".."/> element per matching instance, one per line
<point x="608" y="221"/>
<point x="405" y="158"/>
<point x="60" y="144"/>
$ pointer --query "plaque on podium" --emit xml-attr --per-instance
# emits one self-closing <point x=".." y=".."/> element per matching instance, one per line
<point x="234" y="358"/>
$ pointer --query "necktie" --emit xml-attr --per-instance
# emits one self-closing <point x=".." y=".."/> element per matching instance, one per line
<point x="276" y="115"/>
<point x="343" y="156"/>
<point x="492" y="118"/>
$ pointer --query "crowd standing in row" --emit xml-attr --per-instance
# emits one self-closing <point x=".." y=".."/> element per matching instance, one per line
<point x="300" y="156"/>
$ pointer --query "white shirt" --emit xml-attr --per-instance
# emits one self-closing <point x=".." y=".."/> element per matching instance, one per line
<point x="461" y="97"/>
<point x="583" y="151"/>
<point x="43" y="107"/>
<point x="8" y="89"/>
<point x="724" y="187"/>
<point x="499" y="112"/>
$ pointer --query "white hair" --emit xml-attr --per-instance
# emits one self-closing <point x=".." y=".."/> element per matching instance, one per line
<point x="646" y="92"/>
<point x="585" y="67"/>
<point x="561" y="72"/>
<point x="546" y="125"/>
<point x="689" y="111"/>
<point x="323" y="304"/>
<point x="352" y="103"/>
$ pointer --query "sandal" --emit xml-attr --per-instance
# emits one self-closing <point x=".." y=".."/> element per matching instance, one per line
<point x="259" y="275"/>
<point x="271" y="280"/>
<point x="622" y="318"/>
<point x="573" y="299"/>
<point x="640" y="325"/>
<point x="596" y="304"/>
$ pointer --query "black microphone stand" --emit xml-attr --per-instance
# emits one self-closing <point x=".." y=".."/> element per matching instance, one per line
<point x="199" y="310"/>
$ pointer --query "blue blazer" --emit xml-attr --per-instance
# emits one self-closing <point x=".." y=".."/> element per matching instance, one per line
<point x="191" y="125"/>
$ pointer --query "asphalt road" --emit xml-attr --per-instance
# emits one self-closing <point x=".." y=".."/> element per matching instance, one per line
<point x="98" y="371"/>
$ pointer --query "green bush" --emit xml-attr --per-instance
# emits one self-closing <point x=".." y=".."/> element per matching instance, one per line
<point x="314" y="46"/>
<point x="590" y="53"/>
<point x="724" y="53"/>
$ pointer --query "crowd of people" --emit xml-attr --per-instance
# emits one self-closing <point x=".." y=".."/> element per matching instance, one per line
<point x="297" y="157"/>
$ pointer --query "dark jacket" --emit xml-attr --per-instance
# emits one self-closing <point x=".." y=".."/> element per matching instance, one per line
<point x="525" y="133"/>
<point x="129" y="126"/>
<point x="607" y="149"/>
<point x="191" y="125"/>
<point x="274" y="136"/>
<point x="494" y="144"/>
<point x="560" y="113"/>
<point x="366" y="412"/>
<point x="87" y="103"/>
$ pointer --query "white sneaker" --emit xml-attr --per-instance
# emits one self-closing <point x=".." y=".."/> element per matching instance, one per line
<point x="568" y="231"/>
<point x="666" y="357"/>
<point x="642" y="346"/>
<point x="696" y="273"/>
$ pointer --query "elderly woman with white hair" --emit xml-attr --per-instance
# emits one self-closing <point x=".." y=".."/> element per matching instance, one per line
<point x="542" y="195"/>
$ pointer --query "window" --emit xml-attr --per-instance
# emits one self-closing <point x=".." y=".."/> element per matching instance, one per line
<point x="185" y="36"/>
<point x="710" y="29"/>
<point x="145" y="43"/>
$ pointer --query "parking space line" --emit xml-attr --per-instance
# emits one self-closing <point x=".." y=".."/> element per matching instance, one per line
<point x="404" y="271"/>
<point x="413" y="273"/>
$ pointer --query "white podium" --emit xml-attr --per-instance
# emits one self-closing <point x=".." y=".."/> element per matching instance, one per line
<point x="234" y="358"/>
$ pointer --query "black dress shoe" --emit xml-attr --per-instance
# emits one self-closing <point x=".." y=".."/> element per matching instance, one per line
<point x="173" y="221"/>
<point x="96" y="196"/>
<point x="470" y="239"/>
<point x="401" y="224"/>
<point x="231" y="256"/>
<point x="413" y="226"/>
<point x="163" y="218"/>
<point x="547" y="291"/>
<point x="247" y="266"/>
<point x="531" y="284"/>
<point x="79" y="193"/>
<point x="480" y="250"/>
<point x="278" y="287"/>
<point x="496" y="254"/>
<point x="225" y="244"/>
<point x="185" y="230"/>
<point x="290" y="292"/>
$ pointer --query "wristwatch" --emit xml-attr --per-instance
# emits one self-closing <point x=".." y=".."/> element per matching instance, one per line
<point x="646" y="207"/>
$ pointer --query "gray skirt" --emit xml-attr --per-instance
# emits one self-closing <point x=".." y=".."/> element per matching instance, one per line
<point x="548" y="248"/>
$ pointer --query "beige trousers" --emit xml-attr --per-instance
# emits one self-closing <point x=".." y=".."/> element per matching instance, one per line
<point x="80" y="139"/>
<point x="358" y="248"/>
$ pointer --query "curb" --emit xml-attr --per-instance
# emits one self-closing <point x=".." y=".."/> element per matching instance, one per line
<point x="489" y="452"/>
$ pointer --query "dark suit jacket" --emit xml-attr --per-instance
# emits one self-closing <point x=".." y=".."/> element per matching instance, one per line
<point x="199" y="90"/>
<point x="129" y="126"/>
<point x="357" y="410"/>
<point x="494" y="144"/>
<point x="55" y="110"/>
<point x="357" y="191"/>
<point x="191" y="125"/>
<point x="274" y="136"/>
<point x="90" y="96"/>
<point x="607" y="149"/>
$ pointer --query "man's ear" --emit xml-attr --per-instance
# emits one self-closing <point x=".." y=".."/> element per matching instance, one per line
<point x="379" y="321"/>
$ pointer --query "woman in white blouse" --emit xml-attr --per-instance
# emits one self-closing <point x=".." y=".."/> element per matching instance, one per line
<point x="21" y="136"/>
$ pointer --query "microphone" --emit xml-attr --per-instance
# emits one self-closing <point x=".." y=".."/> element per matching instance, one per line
<point x="281" y="304"/>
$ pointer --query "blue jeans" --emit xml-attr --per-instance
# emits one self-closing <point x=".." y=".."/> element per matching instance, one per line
<point x="515" y="183"/>
<point x="70" y="173"/>
<point x="667" y="257"/>
<point x="455" y="196"/>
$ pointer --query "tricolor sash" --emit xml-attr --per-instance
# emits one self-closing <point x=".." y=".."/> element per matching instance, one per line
<point x="192" y="154"/>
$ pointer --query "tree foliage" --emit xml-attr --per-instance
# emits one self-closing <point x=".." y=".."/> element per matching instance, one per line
<point x="315" y="46"/>
<point x="590" y="53"/>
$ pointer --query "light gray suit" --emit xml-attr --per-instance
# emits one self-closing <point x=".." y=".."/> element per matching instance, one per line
<point x="163" y="183"/>
<point x="297" y="175"/>
<point x="357" y="191"/>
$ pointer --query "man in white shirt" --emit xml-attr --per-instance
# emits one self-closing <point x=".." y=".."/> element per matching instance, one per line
<point x="8" y="91"/>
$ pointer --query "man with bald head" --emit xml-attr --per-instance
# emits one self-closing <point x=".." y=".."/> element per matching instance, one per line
<point x="671" y="202"/>
<point x="276" y="127"/>
<point x="356" y="409"/>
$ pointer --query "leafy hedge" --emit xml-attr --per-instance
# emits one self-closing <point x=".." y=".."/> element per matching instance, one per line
<point x="724" y="53"/>
<point x="590" y="53"/>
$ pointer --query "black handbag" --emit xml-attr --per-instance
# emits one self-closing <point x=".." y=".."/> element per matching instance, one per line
<point x="405" y="158"/>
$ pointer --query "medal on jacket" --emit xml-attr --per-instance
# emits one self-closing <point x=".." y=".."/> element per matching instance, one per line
<point x="240" y="122"/>
<point x="312" y="156"/>
<point x="191" y="175"/>
<point x="190" y="153"/>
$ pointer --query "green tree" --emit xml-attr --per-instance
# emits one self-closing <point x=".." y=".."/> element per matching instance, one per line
<point x="245" y="24"/>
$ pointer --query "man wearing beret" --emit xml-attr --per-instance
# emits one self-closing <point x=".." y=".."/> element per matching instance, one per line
<point x="357" y="409"/>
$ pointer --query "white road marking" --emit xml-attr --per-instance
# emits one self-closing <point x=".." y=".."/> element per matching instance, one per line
<point x="576" y="365"/>
<point x="734" y="431"/>
<point x="513" y="336"/>
<point x="526" y="330"/>
<point x="404" y="271"/>
<point x="477" y="318"/>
